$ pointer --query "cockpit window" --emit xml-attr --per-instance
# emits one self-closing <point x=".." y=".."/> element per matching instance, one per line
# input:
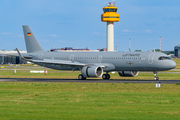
<point x="164" y="58"/>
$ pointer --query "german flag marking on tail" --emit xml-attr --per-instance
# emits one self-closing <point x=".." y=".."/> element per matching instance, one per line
<point x="28" y="34"/>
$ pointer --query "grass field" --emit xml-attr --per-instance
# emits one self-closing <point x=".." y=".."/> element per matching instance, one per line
<point x="178" y="63"/>
<point x="89" y="101"/>
<point x="67" y="101"/>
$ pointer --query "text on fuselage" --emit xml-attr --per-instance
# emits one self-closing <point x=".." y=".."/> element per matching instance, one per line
<point x="130" y="55"/>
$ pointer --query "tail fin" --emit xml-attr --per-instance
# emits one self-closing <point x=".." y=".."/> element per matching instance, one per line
<point x="32" y="45"/>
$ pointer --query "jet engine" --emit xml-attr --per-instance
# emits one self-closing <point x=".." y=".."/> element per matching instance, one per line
<point x="92" y="71"/>
<point x="128" y="73"/>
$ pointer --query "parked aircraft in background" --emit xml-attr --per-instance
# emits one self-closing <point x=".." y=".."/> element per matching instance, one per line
<point x="94" y="64"/>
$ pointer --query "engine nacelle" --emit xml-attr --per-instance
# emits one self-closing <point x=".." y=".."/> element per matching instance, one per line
<point x="92" y="71"/>
<point x="128" y="73"/>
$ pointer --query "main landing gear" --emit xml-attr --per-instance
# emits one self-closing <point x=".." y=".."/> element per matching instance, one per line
<point x="81" y="77"/>
<point x="106" y="76"/>
<point x="155" y="76"/>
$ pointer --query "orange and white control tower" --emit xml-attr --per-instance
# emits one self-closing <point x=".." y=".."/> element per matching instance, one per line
<point x="110" y="16"/>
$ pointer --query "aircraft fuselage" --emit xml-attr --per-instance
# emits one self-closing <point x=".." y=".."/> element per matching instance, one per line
<point x="114" y="61"/>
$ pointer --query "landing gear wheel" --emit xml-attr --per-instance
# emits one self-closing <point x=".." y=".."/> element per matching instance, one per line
<point x="80" y="77"/>
<point x="106" y="76"/>
<point x="155" y="75"/>
<point x="156" y="78"/>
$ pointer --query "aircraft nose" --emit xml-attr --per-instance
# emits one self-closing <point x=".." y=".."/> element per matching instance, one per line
<point x="172" y="64"/>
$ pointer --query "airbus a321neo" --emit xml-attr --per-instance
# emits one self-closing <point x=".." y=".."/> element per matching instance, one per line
<point x="94" y="64"/>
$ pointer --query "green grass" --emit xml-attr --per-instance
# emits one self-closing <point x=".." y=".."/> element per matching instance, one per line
<point x="178" y="63"/>
<point x="69" y="101"/>
<point x="89" y="101"/>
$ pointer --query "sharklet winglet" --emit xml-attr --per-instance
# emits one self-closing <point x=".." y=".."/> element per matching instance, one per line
<point x="20" y="55"/>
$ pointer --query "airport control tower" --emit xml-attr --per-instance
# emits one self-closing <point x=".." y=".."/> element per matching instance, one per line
<point x="110" y="16"/>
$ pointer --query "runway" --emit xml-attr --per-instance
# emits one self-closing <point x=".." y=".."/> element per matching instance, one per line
<point x="86" y="81"/>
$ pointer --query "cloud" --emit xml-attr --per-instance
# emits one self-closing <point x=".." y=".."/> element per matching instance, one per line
<point x="53" y="35"/>
<point x="61" y="41"/>
<point x="135" y="9"/>
<point x="20" y="35"/>
<point x="148" y="31"/>
<point x="126" y="30"/>
<point x="12" y="34"/>
<point x="151" y="24"/>
<point x="172" y="18"/>
<point x="96" y="33"/>
<point x="116" y="39"/>
<point x="6" y="33"/>
<point x="44" y="40"/>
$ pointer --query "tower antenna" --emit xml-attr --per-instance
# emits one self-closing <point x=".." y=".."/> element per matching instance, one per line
<point x="114" y="3"/>
<point x="160" y="43"/>
<point x="129" y="44"/>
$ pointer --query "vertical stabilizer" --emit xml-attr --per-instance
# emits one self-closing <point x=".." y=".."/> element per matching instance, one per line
<point x="32" y="45"/>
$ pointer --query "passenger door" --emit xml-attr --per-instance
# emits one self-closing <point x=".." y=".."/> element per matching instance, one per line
<point x="150" y="59"/>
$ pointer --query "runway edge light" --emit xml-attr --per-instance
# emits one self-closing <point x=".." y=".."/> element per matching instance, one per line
<point x="110" y="16"/>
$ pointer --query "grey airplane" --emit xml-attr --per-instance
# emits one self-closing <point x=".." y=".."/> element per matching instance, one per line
<point x="94" y="64"/>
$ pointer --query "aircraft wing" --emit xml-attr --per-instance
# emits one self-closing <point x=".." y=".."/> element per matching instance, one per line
<point x="60" y="62"/>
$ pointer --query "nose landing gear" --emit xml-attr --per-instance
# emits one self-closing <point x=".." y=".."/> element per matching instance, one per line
<point x="155" y="75"/>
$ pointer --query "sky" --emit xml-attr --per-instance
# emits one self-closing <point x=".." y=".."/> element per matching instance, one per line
<point x="77" y="24"/>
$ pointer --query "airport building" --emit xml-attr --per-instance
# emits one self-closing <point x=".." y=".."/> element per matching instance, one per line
<point x="177" y="51"/>
<point x="68" y="49"/>
<point x="11" y="57"/>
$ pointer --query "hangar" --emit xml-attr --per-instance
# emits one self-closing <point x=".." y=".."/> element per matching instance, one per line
<point x="11" y="57"/>
<point x="177" y="51"/>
